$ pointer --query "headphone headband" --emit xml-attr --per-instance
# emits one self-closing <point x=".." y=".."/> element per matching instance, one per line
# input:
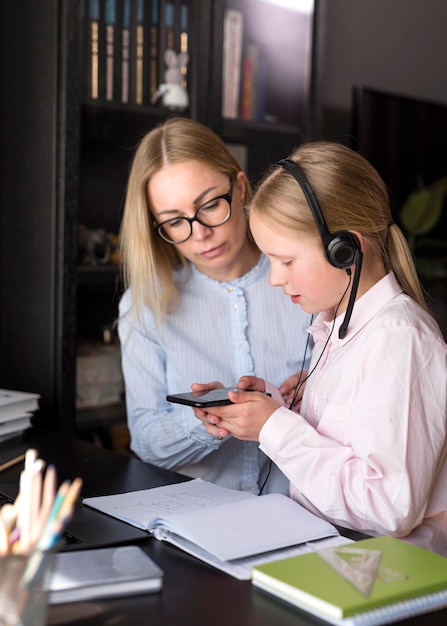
<point x="341" y="247"/>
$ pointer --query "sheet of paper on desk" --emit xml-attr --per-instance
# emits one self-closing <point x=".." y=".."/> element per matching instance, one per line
<point x="216" y="524"/>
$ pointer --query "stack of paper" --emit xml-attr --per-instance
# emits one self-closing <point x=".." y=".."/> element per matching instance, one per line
<point x="16" y="410"/>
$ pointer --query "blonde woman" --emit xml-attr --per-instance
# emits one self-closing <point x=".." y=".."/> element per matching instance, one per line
<point x="198" y="305"/>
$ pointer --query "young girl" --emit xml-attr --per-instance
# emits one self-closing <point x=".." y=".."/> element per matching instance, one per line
<point x="367" y="448"/>
<point x="198" y="303"/>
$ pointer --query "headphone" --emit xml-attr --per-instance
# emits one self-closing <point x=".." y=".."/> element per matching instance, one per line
<point x="342" y="248"/>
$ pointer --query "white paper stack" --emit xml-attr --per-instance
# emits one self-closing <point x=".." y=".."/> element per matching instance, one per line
<point x="16" y="410"/>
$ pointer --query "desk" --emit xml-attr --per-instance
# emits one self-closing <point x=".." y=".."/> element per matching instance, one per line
<point x="194" y="594"/>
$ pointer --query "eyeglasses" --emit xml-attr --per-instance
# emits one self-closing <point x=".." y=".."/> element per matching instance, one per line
<point x="213" y="213"/>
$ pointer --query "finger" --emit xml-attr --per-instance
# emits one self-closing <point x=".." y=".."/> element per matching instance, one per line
<point x="251" y="382"/>
<point x="216" y="431"/>
<point x="206" y="386"/>
<point x="244" y="396"/>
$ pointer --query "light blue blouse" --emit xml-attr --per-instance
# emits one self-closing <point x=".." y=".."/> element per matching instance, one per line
<point x="221" y="331"/>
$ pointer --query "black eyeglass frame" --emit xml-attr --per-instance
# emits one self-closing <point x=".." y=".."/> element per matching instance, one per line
<point x="226" y="196"/>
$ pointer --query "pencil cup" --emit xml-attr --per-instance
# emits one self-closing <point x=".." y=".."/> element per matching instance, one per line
<point x="23" y="589"/>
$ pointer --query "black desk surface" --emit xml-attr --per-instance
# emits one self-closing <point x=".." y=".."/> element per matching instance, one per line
<point x="194" y="594"/>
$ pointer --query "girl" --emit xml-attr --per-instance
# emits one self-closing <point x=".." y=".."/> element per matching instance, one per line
<point x="367" y="448"/>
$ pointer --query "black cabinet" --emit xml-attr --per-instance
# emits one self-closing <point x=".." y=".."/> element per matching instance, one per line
<point x="66" y="152"/>
<point x="39" y="76"/>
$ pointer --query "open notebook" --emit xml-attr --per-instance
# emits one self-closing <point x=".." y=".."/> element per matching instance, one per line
<point x="231" y="530"/>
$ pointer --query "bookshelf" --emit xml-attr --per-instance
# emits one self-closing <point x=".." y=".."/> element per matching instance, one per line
<point x="96" y="87"/>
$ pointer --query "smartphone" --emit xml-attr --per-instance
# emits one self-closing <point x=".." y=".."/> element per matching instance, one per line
<point x="215" y="397"/>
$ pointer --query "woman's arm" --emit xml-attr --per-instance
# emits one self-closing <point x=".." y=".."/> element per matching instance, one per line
<point x="162" y="433"/>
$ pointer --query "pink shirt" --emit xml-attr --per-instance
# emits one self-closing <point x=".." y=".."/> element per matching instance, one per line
<point x="368" y="449"/>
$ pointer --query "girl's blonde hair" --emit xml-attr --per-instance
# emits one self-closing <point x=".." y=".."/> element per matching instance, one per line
<point x="352" y="196"/>
<point x="148" y="262"/>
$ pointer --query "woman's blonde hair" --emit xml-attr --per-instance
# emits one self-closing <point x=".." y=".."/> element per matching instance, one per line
<point x="148" y="262"/>
<point x="352" y="196"/>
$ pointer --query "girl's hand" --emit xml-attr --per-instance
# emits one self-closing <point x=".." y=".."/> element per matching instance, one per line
<point x="287" y="389"/>
<point x="243" y="419"/>
<point x="208" y="417"/>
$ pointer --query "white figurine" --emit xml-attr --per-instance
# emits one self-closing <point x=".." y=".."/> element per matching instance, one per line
<point x="172" y="93"/>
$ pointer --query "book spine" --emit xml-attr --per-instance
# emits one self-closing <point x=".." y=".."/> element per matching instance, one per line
<point x="165" y="35"/>
<point x="232" y="56"/>
<point x="247" y="89"/>
<point x="93" y="49"/>
<point x="110" y="18"/>
<point x="154" y="25"/>
<point x="250" y="83"/>
<point x="139" y="52"/>
<point x="184" y="43"/>
<point x="170" y="25"/>
<point x="260" y="89"/>
<point x="125" y="51"/>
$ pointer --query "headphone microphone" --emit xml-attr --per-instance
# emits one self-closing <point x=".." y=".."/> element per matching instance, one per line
<point x="342" y="248"/>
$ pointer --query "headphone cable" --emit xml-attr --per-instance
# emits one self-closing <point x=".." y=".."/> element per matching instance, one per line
<point x="301" y="382"/>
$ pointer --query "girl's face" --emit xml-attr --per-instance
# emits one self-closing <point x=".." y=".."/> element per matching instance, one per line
<point x="178" y="190"/>
<point x="298" y="265"/>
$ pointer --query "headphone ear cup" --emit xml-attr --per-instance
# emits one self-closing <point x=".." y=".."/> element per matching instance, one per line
<point x="341" y="249"/>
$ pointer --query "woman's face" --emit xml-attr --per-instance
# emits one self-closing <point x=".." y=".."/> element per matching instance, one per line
<point x="178" y="190"/>
<point x="298" y="265"/>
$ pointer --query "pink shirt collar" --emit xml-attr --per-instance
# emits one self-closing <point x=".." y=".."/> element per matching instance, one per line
<point x="365" y="308"/>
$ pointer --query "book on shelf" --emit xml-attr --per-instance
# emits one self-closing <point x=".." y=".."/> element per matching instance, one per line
<point x="111" y="42"/>
<point x="125" y="51"/>
<point x="228" y="529"/>
<point x="184" y="41"/>
<point x="231" y="62"/>
<point x="168" y="23"/>
<point x="253" y="84"/>
<point x="249" y="82"/>
<point x="96" y="49"/>
<point x="92" y="53"/>
<point x="154" y="74"/>
<point x="102" y="573"/>
<point x="166" y="37"/>
<point x="140" y="44"/>
<point x="366" y="583"/>
<point x="151" y="50"/>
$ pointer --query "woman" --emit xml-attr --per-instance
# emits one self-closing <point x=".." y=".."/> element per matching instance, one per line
<point x="198" y="304"/>
<point x="368" y="448"/>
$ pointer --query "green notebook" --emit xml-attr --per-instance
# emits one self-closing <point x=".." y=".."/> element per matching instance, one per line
<point x="368" y="582"/>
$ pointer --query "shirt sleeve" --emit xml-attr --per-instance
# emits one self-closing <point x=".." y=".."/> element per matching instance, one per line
<point x="370" y="460"/>
<point x="162" y="433"/>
